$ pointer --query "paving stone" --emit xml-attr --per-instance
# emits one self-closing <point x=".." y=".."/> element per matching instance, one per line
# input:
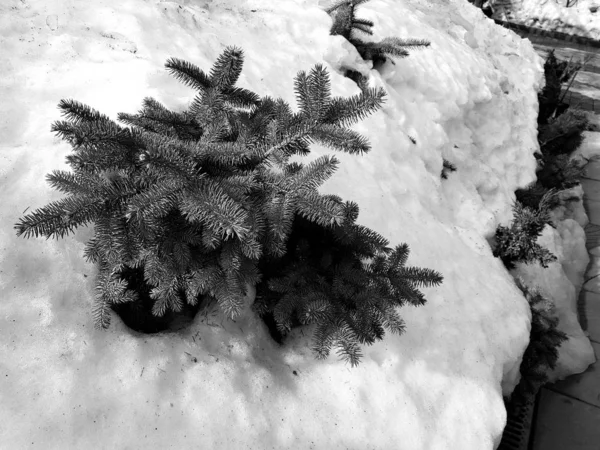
<point x="591" y="306"/>
<point x="564" y="423"/>
<point x="584" y="386"/>
<point x="592" y="171"/>
<point x="592" y="208"/>
<point x="592" y="282"/>
<point x="591" y="188"/>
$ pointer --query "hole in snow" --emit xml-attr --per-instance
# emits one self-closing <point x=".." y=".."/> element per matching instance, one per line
<point x="138" y="315"/>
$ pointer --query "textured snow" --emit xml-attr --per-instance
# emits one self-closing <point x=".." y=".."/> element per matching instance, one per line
<point x="561" y="282"/>
<point x="470" y="98"/>
<point x="554" y="15"/>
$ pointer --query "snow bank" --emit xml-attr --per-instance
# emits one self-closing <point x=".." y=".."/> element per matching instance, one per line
<point x="582" y="19"/>
<point x="469" y="98"/>
<point x="562" y="281"/>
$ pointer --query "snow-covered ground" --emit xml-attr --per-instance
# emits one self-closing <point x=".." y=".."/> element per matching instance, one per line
<point x="582" y="18"/>
<point x="470" y="98"/>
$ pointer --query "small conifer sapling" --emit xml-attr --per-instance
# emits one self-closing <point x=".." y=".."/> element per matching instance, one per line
<point x="195" y="206"/>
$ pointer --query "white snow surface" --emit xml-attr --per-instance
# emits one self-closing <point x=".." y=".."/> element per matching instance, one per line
<point x="470" y="98"/>
<point x="561" y="281"/>
<point x="583" y="18"/>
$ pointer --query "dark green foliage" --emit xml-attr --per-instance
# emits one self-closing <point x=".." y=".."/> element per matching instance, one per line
<point x="531" y="196"/>
<point x="556" y="73"/>
<point x="560" y="133"/>
<point x="346" y="24"/>
<point x="447" y="167"/>
<point x="517" y="243"/>
<point x="484" y="5"/>
<point x="559" y="138"/>
<point x="560" y="172"/>
<point x="193" y="207"/>
<point x="345" y="280"/>
<point x="541" y="354"/>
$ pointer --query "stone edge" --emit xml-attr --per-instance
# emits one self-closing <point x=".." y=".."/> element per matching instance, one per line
<point x="582" y="40"/>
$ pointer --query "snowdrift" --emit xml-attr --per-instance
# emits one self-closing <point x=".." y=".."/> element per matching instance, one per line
<point x="469" y="98"/>
<point x="581" y="19"/>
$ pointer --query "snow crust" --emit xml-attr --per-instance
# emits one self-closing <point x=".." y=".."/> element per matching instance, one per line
<point x="582" y="19"/>
<point x="562" y="281"/>
<point x="470" y="98"/>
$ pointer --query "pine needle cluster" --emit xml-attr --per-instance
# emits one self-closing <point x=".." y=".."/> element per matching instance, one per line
<point x="187" y="206"/>
<point x="557" y="73"/>
<point x="345" y="280"/>
<point x="354" y="29"/>
<point x="517" y="243"/>
<point x="560" y="133"/>
<point x="541" y="354"/>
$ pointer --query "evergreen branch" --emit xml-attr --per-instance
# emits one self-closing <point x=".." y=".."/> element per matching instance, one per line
<point x="403" y="291"/>
<point x="347" y="111"/>
<point x="399" y="257"/>
<point x="165" y="157"/>
<point x="316" y="309"/>
<point x="92" y="251"/>
<point x="59" y="217"/>
<point x="323" y="339"/>
<point x="240" y="97"/>
<point x="336" y="5"/>
<point x="227" y="69"/>
<point x="318" y="209"/>
<point x="155" y="201"/>
<point x="303" y="95"/>
<point x="211" y="239"/>
<point x="227" y="153"/>
<point x="294" y="136"/>
<point x="319" y="88"/>
<point x="392" y="320"/>
<point x="101" y="313"/>
<point x="420" y="277"/>
<point x="189" y="74"/>
<point x="166" y="297"/>
<point x="91" y="133"/>
<point x="363" y="25"/>
<point x="146" y="123"/>
<point x="351" y="210"/>
<point x="203" y="280"/>
<point x="374" y="50"/>
<point x="230" y="257"/>
<point x="342" y="139"/>
<point x="210" y="205"/>
<point x="78" y="113"/>
<point x="109" y="291"/>
<point x="363" y="28"/>
<point x="312" y="176"/>
<point x="74" y="184"/>
<point x="249" y="273"/>
<point x="406" y="43"/>
<point x="155" y="117"/>
<point x="280" y="215"/>
<point x="283" y="311"/>
<point x="230" y="296"/>
<point x="347" y="347"/>
<point x="208" y="108"/>
<point x="369" y="240"/>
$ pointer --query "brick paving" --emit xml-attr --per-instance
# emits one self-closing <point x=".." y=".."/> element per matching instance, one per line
<point x="568" y="412"/>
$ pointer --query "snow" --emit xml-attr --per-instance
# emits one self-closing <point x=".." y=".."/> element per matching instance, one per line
<point x="561" y="282"/>
<point x="583" y="18"/>
<point x="470" y="98"/>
